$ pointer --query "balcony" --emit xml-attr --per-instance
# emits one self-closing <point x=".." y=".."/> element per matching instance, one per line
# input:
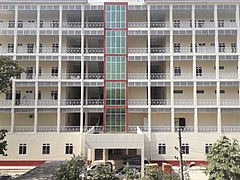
<point x="47" y="129"/>
<point x="49" y="24"/>
<point x="206" y="129"/>
<point x="71" y="50"/>
<point x="8" y="128"/>
<point x="227" y="49"/>
<point x="227" y="24"/>
<point x="183" y="102"/>
<point x="93" y="102"/>
<point x="48" y="50"/>
<point x="184" y="76"/>
<point x="160" y="76"/>
<point x="25" y="102"/>
<point x="137" y="50"/>
<point x="94" y="25"/>
<point x="182" y="50"/>
<point x="160" y="25"/>
<point x="93" y="50"/>
<point x="137" y="102"/>
<point x="47" y="76"/>
<point x="6" y="50"/>
<point x="201" y="50"/>
<point x="160" y="50"/>
<point x="26" y="76"/>
<point x="230" y="129"/>
<point x="206" y="102"/>
<point x="228" y="76"/>
<point x="135" y="76"/>
<point x="229" y="102"/>
<point x="47" y="102"/>
<point x="204" y="25"/>
<point x="182" y="25"/>
<point x="206" y="76"/>
<point x="160" y="102"/>
<point x="70" y="102"/>
<point x="23" y="129"/>
<point x="71" y="76"/>
<point x="137" y="24"/>
<point x="93" y="76"/>
<point x="71" y="25"/>
<point x="4" y="102"/>
<point x="185" y="128"/>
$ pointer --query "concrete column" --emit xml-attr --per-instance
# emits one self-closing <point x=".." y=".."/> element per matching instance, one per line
<point x="86" y="118"/>
<point x="35" y="120"/>
<point x="219" y="120"/>
<point x="12" y="120"/>
<point x="195" y="120"/>
<point x="13" y="104"/>
<point x="172" y="120"/>
<point x="105" y="154"/>
<point x="15" y="31"/>
<point x="89" y="156"/>
<point x="142" y="162"/>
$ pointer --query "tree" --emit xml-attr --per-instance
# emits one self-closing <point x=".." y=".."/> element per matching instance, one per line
<point x="8" y="70"/>
<point x="72" y="169"/>
<point x="3" y="143"/>
<point x="223" y="160"/>
<point x="102" y="172"/>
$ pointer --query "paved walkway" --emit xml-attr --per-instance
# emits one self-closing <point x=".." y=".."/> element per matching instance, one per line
<point x="42" y="172"/>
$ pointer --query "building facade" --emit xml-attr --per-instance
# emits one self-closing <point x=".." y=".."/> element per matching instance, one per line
<point x="119" y="78"/>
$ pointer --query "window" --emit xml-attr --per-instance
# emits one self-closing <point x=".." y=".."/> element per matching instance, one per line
<point x="177" y="47"/>
<point x="30" y="48"/>
<point x="177" y="71"/>
<point x="201" y="23"/>
<point x="207" y="148"/>
<point x="9" y="95"/>
<point x="178" y="91"/>
<point x="10" y="48"/>
<point x="29" y="72"/>
<point x="220" y="67"/>
<point x="40" y="71"/>
<point x="198" y="71"/>
<point x="20" y="24"/>
<point x="11" y="24"/>
<point x="55" y="24"/>
<point x="200" y="91"/>
<point x="232" y="20"/>
<point x="46" y="148"/>
<point x="185" y="148"/>
<point x="116" y="16"/>
<point x="161" y="148"/>
<point x="55" y="48"/>
<point x="39" y="95"/>
<point x="220" y="23"/>
<point x="221" y="47"/>
<point x="116" y="42"/>
<point x="22" y="149"/>
<point x="233" y="47"/>
<point x="176" y="23"/>
<point x="54" y="71"/>
<point x="40" y="48"/>
<point x="221" y="91"/>
<point x="69" y="148"/>
<point x="54" y="95"/>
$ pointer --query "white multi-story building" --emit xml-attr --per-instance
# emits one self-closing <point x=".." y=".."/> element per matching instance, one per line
<point x="119" y="78"/>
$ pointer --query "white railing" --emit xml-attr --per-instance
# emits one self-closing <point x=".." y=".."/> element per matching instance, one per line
<point x="205" y="49"/>
<point x="227" y="25"/>
<point x="71" y="50"/>
<point x="228" y="75"/>
<point x="137" y="75"/>
<point x="207" y="128"/>
<point x="182" y="50"/>
<point x="49" y="24"/>
<point x="184" y="76"/>
<point x="24" y="129"/>
<point x="182" y="25"/>
<point x="206" y="76"/>
<point x="229" y="102"/>
<point x="186" y="102"/>
<point x="27" y="25"/>
<point x="227" y="50"/>
<point x="156" y="129"/>
<point x="206" y="102"/>
<point x="71" y="76"/>
<point x="160" y="102"/>
<point x="159" y="24"/>
<point x="47" y="76"/>
<point x="94" y="50"/>
<point x="71" y="25"/>
<point x="204" y="25"/>
<point x="132" y="129"/>
<point x="160" y="50"/>
<point x="137" y="102"/>
<point x="93" y="76"/>
<point x="137" y="50"/>
<point x="47" y="129"/>
<point x="8" y="128"/>
<point x="25" y="102"/>
<point x="25" y="50"/>
<point x="6" y="25"/>
<point x="230" y="129"/>
<point x="93" y="102"/>
<point x="5" y="102"/>
<point x="47" y="102"/>
<point x="94" y="24"/>
<point x="47" y="50"/>
<point x="185" y="128"/>
<point x="25" y="76"/>
<point x="70" y="129"/>
<point x="156" y="76"/>
<point x="98" y="129"/>
<point x="143" y="128"/>
<point x="137" y="24"/>
<point x="70" y="102"/>
<point x="6" y="50"/>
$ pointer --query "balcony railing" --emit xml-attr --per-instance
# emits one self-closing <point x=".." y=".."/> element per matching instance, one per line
<point x="137" y="102"/>
<point x="8" y="128"/>
<point x="71" y="25"/>
<point x="47" y="129"/>
<point x="71" y="50"/>
<point x="227" y="50"/>
<point x="207" y="128"/>
<point x="156" y="76"/>
<point x="137" y="24"/>
<point x="70" y="102"/>
<point x="229" y="102"/>
<point x="70" y="129"/>
<point x="156" y="129"/>
<point x="48" y="50"/>
<point x="47" y="76"/>
<point x="182" y="50"/>
<point x="204" y="25"/>
<point x="205" y="49"/>
<point x="185" y="128"/>
<point x="91" y="102"/>
<point x="184" y="76"/>
<point x="160" y="102"/>
<point x="206" y="76"/>
<point x="182" y="25"/>
<point x="159" y="24"/>
<point x="49" y="24"/>
<point x="228" y="75"/>
<point x="227" y="25"/>
<point x="71" y="76"/>
<point x="160" y="50"/>
<point x="186" y="102"/>
<point x="230" y="129"/>
<point x="25" y="102"/>
<point x="137" y="76"/>
<point x="5" y="102"/>
<point x="47" y="102"/>
<point x="94" y="24"/>
<point x="94" y="50"/>
<point x="137" y="50"/>
<point x="206" y="102"/>
<point x="25" y="76"/>
<point x="23" y="129"/>
<point x="24" y="50"/>
<point x="132" y="129"/>
<point x="6" y="50"/>
<point x="93" y="76"/>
